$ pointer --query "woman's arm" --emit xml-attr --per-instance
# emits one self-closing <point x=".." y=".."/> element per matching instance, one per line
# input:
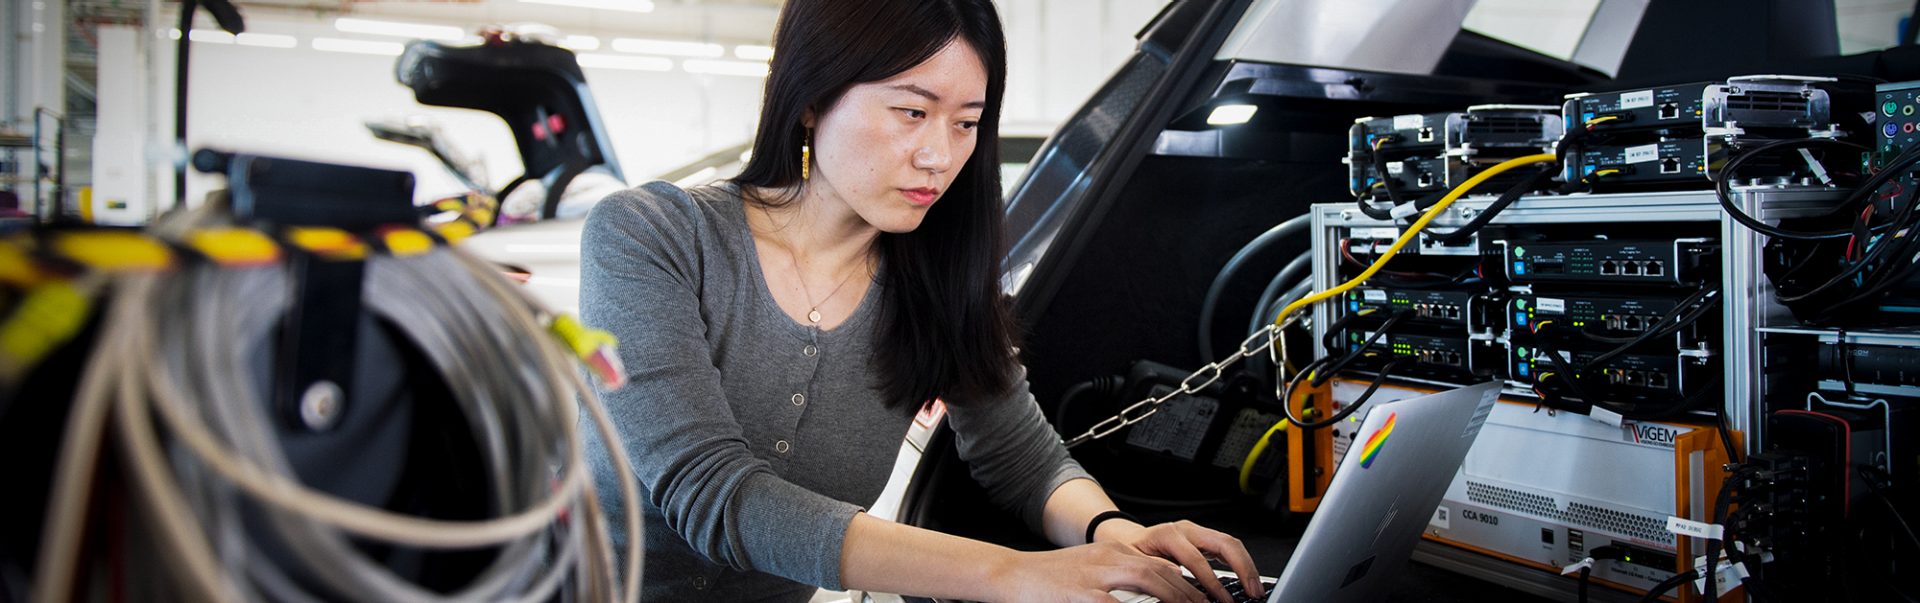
<point x="883" y="556"/>
<point x="1010" y="448"/>
<point x="1076" y="502"/>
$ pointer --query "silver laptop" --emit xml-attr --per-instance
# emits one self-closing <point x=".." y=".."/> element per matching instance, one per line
<point x="1382" y="495"/>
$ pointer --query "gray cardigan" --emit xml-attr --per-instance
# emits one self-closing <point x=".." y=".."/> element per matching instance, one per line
<point x="755" y="438"/>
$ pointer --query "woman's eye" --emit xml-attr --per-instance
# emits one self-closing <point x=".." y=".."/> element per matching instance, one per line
<point x="969" y="125"/>
<point x="914" y="113"/>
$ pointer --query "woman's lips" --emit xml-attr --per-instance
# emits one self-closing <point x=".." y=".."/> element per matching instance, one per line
<point x="920" y="196"/>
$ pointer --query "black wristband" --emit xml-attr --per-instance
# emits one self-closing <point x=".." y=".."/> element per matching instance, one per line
<point x="1094" y="523"/>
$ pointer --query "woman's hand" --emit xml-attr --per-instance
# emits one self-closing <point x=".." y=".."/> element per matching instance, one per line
<point x="1189" y="545"/>
<point x="1085" y="574"/>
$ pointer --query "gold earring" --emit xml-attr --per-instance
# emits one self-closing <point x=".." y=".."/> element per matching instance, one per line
<point x="806" y="156"/>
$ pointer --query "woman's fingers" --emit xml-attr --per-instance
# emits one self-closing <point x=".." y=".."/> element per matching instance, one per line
<point x="1190" y="556"/>
<point x="1155" y="577"/>
<point x="1231" y="550"/>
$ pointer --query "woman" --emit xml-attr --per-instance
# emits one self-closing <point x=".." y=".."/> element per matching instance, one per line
<point x="782" y="327"/>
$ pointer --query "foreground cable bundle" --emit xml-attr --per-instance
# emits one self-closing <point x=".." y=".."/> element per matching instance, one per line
<point x="213" y="492"/>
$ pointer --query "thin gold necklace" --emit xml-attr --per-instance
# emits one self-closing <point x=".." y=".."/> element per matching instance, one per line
<point x="813" y="312"/>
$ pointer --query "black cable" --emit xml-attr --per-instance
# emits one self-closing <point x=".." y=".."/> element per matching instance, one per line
<point x="1379" y="378"/>
<point x="1585" y="574"/>
<point x="1723" y="186"/>
<point x="1331" y="340"/>
<point x="1566" y="372"/>
<point x="1904" y="219"/>
<point x="1876" y="480"/>
<point x="1683" y="314"/>
<point x="1240" y="258"/>
<point x="1726" y="438"/>
<point x="1107" y="386"/>
<point x="1465" y="232"/>
<point x="1686" y="405"/>
<point x="1349" y="357"/>
<point x="1881" y="281"/>
<point x="1386" y="181"/>
<point x="1721" y="502"/>
<point x="1600" y="553"/>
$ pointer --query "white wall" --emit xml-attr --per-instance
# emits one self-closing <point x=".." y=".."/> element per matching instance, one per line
<point x="1867" y="25"/>
<point x="305" y="103"/>
<point x="35" y="77"/>
<point x="121" y="146"/>
<point x="311" y="104"/>
<point x="1060" y="51"/>
<point x="1550" y="27"/>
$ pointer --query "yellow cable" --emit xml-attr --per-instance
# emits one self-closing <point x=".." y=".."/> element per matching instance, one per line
<point x="1259" y="446"/>
<point x="1601" y="119"/>
<point x="1414" y="231"/>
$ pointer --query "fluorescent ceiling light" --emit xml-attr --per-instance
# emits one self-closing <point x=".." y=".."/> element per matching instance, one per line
<point x="580" y="43"/>
<point x="632" y="6"/>
<point x="267" y="40"/>
<point x="213" y="36"/>
<point x="740" y="68"/>
<point x="1227" y="115"/>
<point x="391" y="49"/>
<point x="447" y="33"/>
<point x="670" y="48"/>
<point x="614" y="61"/>
<point x="753" y="52"/>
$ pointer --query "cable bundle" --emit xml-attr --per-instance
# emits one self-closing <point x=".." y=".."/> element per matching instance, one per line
<point x="214" y="493"/>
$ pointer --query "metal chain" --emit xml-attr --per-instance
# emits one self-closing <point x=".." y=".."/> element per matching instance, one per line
<point x="1139" y="411"/>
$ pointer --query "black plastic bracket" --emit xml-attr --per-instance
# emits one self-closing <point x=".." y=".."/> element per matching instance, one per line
<point x="315" y="361"/>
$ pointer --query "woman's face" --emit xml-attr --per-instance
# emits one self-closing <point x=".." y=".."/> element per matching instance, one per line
<point x="889" y="149"/>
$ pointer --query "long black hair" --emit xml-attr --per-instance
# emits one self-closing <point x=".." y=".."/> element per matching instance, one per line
<point x="947" y="332"/>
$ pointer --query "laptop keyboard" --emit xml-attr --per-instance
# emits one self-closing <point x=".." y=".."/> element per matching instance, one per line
<point x="1235" y="588"/>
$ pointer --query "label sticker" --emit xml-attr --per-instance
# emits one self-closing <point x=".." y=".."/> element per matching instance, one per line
<point x="1605" y="417"/>
<point x="1550" y="304"/>
<point x="1376" y="296"/>
<point x="1575" y="568"/>
<point x="1441" y="519"/>
<point x="1643" y="153"/>
<point x="1688" y="527"/>
<point x="1405" y="210"/>
<point x="1396" y="167"/>
<point x="1415" y="122"/>
<point x="1636" y="100"/>
<point x="1726" y="577"/>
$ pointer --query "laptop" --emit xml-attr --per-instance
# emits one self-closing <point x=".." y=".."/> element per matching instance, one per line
<point x="1386" y="488"/>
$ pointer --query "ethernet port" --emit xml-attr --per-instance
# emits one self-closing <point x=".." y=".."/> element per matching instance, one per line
<point x="1655" y="268"/>
<point x="1669" y="111"/>
<point x="1454" y="359"/>
<point x="1608" y="268"/>
<point x="1426" y="135"/>
<point x="1657" y="380"/>
<point x="1669" y="166"/>
<point x="1630" y="268"/>
<point x="1425" y="180"/>
<point x="1634" y="378"/>
<point x="1453" y="312"/>
<point x="1629" y="323"/>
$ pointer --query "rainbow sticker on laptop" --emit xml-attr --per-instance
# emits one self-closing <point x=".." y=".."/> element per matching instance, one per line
<point x="1372" y="449"/>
